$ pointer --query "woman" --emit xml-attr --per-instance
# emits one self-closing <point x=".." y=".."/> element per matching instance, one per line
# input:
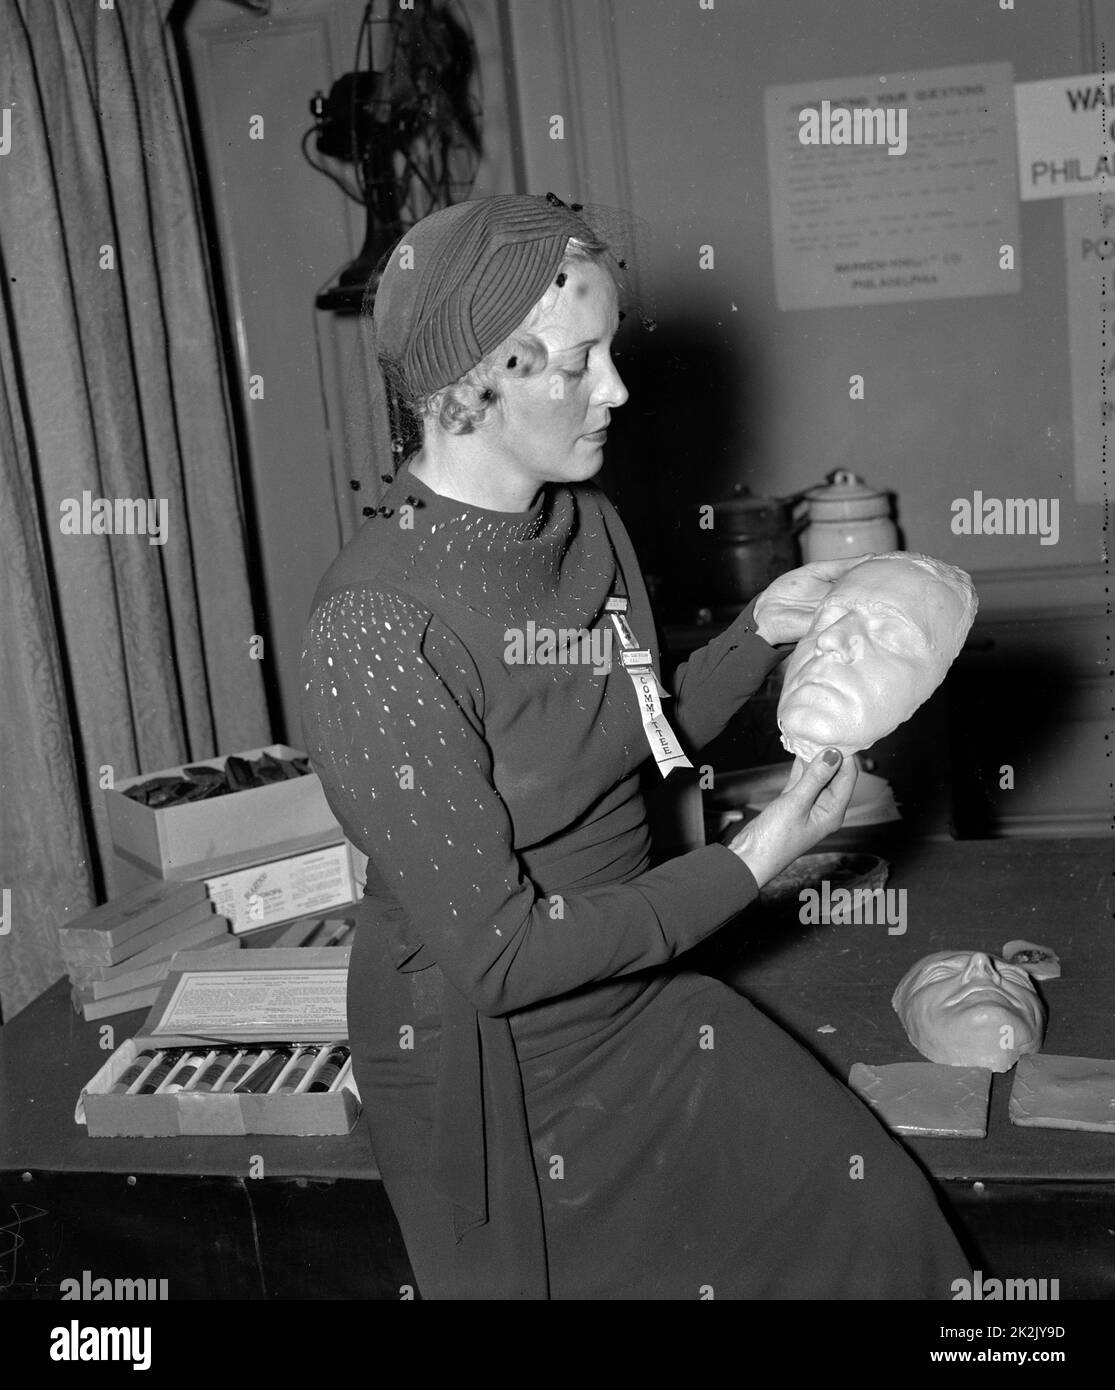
<point x="553" y="1114"/>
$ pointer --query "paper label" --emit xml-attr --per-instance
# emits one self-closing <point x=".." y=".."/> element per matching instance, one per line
<point x="661" y="739"/>
<point x="294" y="887"/>
<point x="226" y="1003"/>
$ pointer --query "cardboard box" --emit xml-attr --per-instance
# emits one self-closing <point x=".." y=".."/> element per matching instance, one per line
<point x="284" y="888"/>
<point x="115" y="925"/>
<point x="90" y="1009"/>
<point x="171" y="841"/>
<point x="206" y="929"/>
<point x="253" y="997"/>
<point x="120" y="993"/>
<point x="96" y="952"/>
<point x="308" y="879"/>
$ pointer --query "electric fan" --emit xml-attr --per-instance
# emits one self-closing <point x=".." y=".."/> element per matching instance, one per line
<point x="407" y="121"/>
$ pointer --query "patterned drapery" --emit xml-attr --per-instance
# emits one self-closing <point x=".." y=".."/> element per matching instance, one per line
<point x="117" y="655"/>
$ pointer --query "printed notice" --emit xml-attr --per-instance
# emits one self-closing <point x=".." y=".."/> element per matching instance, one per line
<point x="911" y="193"/>
<point x="230" y="1003"/>
<point x="1090" y="283"/>
<point x="1066" y="136"/>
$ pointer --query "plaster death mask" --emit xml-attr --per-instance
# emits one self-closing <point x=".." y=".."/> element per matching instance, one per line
<point x="968" y="1009"/>
<point x="881" y="642"/>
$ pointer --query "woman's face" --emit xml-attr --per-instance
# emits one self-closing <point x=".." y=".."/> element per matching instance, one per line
<point x="548" y="424"/>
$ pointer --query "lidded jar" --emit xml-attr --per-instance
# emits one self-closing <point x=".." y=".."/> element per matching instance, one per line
<point x="846" y="517"/>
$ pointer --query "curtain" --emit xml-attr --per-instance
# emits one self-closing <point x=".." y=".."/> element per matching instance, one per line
<point x="117" y="655"/>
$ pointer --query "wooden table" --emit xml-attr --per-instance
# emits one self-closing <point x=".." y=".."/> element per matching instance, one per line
<point x="1030" y="1202"/>
<point x="1033" y="1202"/>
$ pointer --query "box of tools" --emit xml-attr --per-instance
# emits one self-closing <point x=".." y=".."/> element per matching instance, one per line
<point x="252" y="1042"/>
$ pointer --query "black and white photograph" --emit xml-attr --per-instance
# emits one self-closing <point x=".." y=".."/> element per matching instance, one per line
<point x="557" y="697"/>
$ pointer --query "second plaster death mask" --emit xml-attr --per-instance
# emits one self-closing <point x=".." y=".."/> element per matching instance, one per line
<point x="969" y="1009"/>
<point x="880" y="644"/>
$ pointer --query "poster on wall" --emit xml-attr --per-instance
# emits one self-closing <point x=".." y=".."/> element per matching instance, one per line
<point x="895" y="187"/>
<point x="1090" y="285"/>
<point x="1066" y="145"/>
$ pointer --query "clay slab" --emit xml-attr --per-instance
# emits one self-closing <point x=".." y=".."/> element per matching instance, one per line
<point x="1064" y="1093"/>
<point x="926" y="1097"/>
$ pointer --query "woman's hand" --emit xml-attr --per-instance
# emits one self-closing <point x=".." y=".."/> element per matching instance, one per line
<point x="785" y="608"/>
<point x="795" y="821"/>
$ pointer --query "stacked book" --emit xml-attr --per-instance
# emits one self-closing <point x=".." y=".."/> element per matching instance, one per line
<point x="119" y="954"/>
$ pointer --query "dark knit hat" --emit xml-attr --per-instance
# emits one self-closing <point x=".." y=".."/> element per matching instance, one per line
<point x="463" y="278"/>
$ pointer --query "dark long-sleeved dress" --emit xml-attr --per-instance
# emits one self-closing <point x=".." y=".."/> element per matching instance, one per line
<point x="553" y="1114"/>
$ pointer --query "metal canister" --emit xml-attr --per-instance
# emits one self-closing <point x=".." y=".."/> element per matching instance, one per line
<point x="753" y="540"/>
